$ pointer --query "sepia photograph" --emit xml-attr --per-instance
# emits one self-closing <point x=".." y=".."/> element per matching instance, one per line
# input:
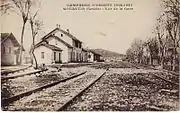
<point x="90" y="55"/>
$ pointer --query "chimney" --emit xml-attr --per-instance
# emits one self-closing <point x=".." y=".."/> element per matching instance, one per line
<point x="57" y="25"/>
<point x="67" y="30"/>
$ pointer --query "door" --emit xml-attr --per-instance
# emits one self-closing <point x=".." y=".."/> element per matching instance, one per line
<point x="60" y="57"/>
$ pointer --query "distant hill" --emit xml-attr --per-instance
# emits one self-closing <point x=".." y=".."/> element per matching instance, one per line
<point x="107" y="53"/>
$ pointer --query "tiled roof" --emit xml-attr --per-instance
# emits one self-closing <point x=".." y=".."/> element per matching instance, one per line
<point x="4" y="36"/>
<point x="59" y="39"/>
<point x="95" y="52"/>
<point x="52" y="47"/>
<point x="63" y="31"/>
<point x="86" y="50"/>
<point x="70" y="35"/>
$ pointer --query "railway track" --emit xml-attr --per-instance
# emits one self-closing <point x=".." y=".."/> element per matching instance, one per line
<point x="59" y="93"/>
<point x="21" y="75"/>
<point x="14" y="71"/>
<point x="11" y="87"/>
<point x="78" y="94"/>
<point x="26" y="93"/>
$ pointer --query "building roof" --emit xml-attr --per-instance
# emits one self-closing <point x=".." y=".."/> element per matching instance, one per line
<point x="59" y="39"/>
<point x="70" y="35"/>
<point x="94" y="52"/>
<point x="84" y="49"/>
<point x="5" y="36"/>
<point x="65" y="43"/>
<point x="52" y="47"/>
<point x="63" y="31"/>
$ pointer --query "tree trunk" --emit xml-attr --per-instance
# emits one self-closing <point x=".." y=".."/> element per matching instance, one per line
<point x="21" y="47"/>
<point x="151" y="60"/>
<point x="162" y="58"/>
<point x="174" y="59"/>
<point x="34" y="57"/>
<point x="32" y="52"/>
<point x="162" y="62"/>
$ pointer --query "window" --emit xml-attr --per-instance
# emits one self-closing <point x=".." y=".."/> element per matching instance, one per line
<point x="76" y="56"/>
<point x="89" y="56"/>
<point x="59" y="57"/>
<point x="42" y="55"/>
<point x="71" y="56"/>
<point x="54" y="55"/>
<point x="79" y="56"/>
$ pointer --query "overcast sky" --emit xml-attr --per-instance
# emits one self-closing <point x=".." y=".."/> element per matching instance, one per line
<point x="112" y="30"/>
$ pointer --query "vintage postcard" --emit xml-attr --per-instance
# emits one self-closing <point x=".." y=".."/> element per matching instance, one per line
<point x="90" y="55"/>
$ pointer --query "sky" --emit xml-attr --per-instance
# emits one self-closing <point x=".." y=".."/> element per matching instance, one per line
<point x="111" y="30"/>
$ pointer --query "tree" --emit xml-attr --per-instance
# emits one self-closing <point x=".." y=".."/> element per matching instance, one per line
<point x="22" y="8"/>
<point x="172" y="14"/>
<point x="130" y="55"/>
<point x="153" y="48"/>
<point x="137" y="46"/>
<point x="135" y="52"/>
<point x="35" y="28"/>
<point x="162" y="39"/>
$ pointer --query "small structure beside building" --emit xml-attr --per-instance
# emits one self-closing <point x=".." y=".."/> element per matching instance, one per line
<point x="93" y="56"/>
<point x="46" y="53"/>
<point x="10" y="49"/>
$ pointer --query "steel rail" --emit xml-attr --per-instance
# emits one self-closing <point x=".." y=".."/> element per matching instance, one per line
<point x="13" y="71"/>
<point x="6" y="101"/>
<point x="78" y="94"/>
<point x="20" y="75"/>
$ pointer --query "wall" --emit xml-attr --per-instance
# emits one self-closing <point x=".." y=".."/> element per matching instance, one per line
<point x="64" y="37"/>
<point x="7" y="56"/>
<point x="48" y="55"/>
<point x="85" y="56"/>
<point x="79" y="55"/>
<point x="96" y="57"/>
<point x="68" y="55"/>
<point x="57" y="59"/>
<point x="64" y="54"/>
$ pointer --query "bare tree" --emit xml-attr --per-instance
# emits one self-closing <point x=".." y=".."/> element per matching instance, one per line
<point x="130" y="55"/>
<point x="22" y="8"/>
<point x="172" y="14"/>
<point x="36" y="26"/>
<point x="135" y="52"/>
<point x="162" y="39"/>
<point x="153" y="48"/>
<point x="166" y="39"/>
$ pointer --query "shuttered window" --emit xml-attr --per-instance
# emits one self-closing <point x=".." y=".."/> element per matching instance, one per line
<point x="59" y="57"/>
<point x="42" y="55"/>
<point x="54" y="55"/>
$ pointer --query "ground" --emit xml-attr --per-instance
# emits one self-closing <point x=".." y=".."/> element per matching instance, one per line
<point x="122" y="88"/>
